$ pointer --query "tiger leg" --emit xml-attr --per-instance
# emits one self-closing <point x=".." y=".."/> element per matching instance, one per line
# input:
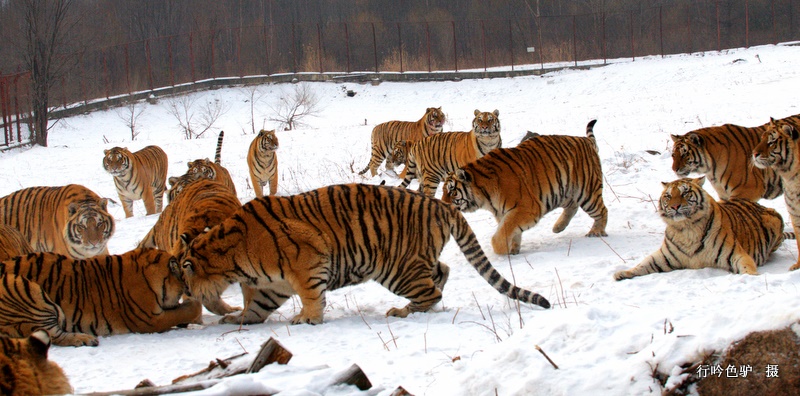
<point x="149" y="200"/>
<point x="127" y="205"/>
<point x="27" y="308"/>
<point x="428" y="185"/>
<point x="566" y="216"/>
<point x="796" y="227"/>
<point x="597" y="210"/>
<point x="656" y="262"/>
<point x="189" y="311"/>
<point x="740" y="263"/>
<point x="440" y="274"/>
<point x="409" y="174"/>
<point x="508" y="237"/>
<point x="273" y="183"/>
<point x="260" y="303"/>
<point x="417" y="284"/>
<point x="257" y="186"/>
<point x="220" y="307"/>
<point x="308" y="277"/>
<point x="158" y="198"/>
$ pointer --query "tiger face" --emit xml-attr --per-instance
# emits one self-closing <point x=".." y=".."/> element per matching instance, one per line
<point x="399" y="154"/>
<point x="201" y="277"/>
<point x="434" y="119"/>
<point x="267" y="140"/>
<point x="458" y="191"/>
<point x="202" y="167"/>
<point x="776" y="148"/>
<point x="682" y="199"/>
<point x="687" y="154"/>
<point x="485" y="123"/>
<point x="116" y="161"/>
<point x="88" y="227"/>
<point x="179" y="183"/>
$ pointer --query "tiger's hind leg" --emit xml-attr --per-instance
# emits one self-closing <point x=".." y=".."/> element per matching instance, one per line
<point x="440" y="274"/>
<point x="566" y="216"/>
<point x="596" y="209"/>
<point x="260" y="303"/>
<point x="508" y="237"/>
<point x="418" y="282"/>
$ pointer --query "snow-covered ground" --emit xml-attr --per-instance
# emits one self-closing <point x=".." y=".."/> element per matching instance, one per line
<point x="606" y="337"/>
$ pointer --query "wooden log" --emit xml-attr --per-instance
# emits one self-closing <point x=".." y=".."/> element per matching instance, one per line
<point x="160" y="390"/>
<point x="352" y="376"/>
<point x="271" y="352"/>
<point x="400" y="391"/>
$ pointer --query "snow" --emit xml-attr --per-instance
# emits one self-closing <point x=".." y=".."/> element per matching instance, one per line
<point x="606" y="337"/>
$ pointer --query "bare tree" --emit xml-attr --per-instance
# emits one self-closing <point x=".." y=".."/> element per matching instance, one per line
<point x="192" y="123"/>
<point x="292" y="107"/>
<point x="130" y="115"/>
<point x="256" y="94"/>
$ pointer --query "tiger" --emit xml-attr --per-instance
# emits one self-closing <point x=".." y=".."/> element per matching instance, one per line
<point x="723" y="155"/>
<point x="178" y="183"/>
<point x="432" y="157"/>
<point x="213" y="170"/>
<point x="736" y="235"/>
<point x="12" y="243"/>
<point x="27" y="371"/>
<point x="70" y="220"/>
<point x="262" y="160"/>
<point x="336" y="236"/>
<point x="385" y="135"/>
<point x="75" y="301"/>
<point x="204" y="203"/>
<point x="139" y="175"/>
<point x="777" y="151"/>
<point x="521" y="184"/>
<point x="528" y="135"/>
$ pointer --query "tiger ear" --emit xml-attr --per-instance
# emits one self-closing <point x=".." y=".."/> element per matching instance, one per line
<point x="172" y="180"/>
<point x="106" y="151"/>
<point x="772" y="122"/>
<point x="699" y="181"/>
<point x="39" y="343"/>
<point x="72" y="208"/>
<point x="496" y="113"/>
<point x="103" y="203"/>
<point x="664" y="184"/>
<point x="174" y="268"/>
<point x="791" y="131"/>
<point x="675" y="138"/>
<point x="185" y="239"/>
<point x="477" y="112"/>
<point x="695" y="138"/>
<point x="462" y="176"/>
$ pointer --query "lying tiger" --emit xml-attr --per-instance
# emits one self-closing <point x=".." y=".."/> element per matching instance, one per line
<point x="12" y="243"/>
<point x="736" y="235"/>
<point x="26" y="370"/>
<point x="76" y="300"/>
<point x="333" y="237"/>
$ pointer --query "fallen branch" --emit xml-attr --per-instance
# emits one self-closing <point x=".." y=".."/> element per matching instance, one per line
<point x="546" y="357"/>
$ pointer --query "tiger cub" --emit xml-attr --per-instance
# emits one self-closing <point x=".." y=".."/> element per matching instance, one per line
<point x="12" y="243"/>
<point x="432" y="157"/>
<point x="139" y="175"/>
<point x="723" y="155"/>
<point x="521" y="184"/>
<point x="736" y="235"/>
<point x="778" y="151"/>
<point x="77" y="300"/>
<point x="70" y="220"/>
<point x="213" y="170"/>
<point x="385" y="135"/>
<point x="333" y="237"/>
<point x="26" y="370"/>
<point x="263" y="162"/>
<point x="204" y="203"/>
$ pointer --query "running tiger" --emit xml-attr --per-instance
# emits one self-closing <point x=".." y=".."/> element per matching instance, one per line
<point x="777" y="151"/>
<point x="736" y="235"/>
<point x="70" y="220"/>
<point x="203" y="204"/>
<point x="521" y="184"/>
<point x="213" y="170"/>
<point x="140" y="175"/>
<point x="12" y="243"/>
<point x="76" y="300"/>
<point x="387" y="134"/>
<point x="262" y="160"/>
<point x="724" y="155"/>
<point x="26" y="370"/>
<point x="433" y="157"/>
<point x="333" y="237"/>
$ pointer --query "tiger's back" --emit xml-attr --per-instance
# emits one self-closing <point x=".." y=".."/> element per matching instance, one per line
<point x="210" y="170"/>
<point x="27" y="371"/>
<point x="333" y="237"/>
<point x="140" y="175"/>
<point x="70" y="220"/>
<point x="12" y="243"/>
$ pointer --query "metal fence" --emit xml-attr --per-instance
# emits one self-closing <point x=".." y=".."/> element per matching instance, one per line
<point x="403" y="47"/>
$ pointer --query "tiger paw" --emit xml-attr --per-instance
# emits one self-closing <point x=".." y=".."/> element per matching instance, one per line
<point x="795" y="266"/>
<point x="76" y="340"/>
<point x="398" y="312"/>
<point x="303" y="319"/>
<point x="620" y="275"/>
<point x="596" y="233"/>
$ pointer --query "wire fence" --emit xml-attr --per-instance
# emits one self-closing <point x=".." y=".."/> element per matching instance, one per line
<point x="402" y="47"/>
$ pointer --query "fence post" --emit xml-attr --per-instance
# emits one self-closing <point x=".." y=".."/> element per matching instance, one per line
<point x="294" y="49"/>
<point x="483" y="43"/>
<point x="455" y="47"/>
<point x="6" y="118"/>
<point x="108" y="77"/>
<point x="127" y="69"/>
<point x="400" y="45"/>
<point x="689" y="29"/>
<point x="719" y="40"/>
<point x="319" y="48"/>
<point x="574" y="41"/>
<point x="266" y="48"/>
<point x="539" y="33"/>
<point x="347" y="46"/>
<point x="511" y="44"/>
<point x="746" y="24"/>
<point x="428" y="44"/>
<point x="191" y="55"/>
<point x="661" y="29"/>
<point x="774" y="32"/>
<point x="605" y="61"/>
<point x="374" y="47"/>
<point x="171" y="62"/>
<point x="239" y="51"/>
<point x="213" y="56"/>
<point x="633" y="43"/>
<point x="149" y="64"/>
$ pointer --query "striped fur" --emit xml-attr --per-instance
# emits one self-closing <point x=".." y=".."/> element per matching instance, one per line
<point x="26" y="370"/>
<point x="262" y="160"/>
<point x="431" y="158"/>
<point x="70" y="220"/>
<point x="723" y="155"/>
<point x="736" y="235"/>
<point x="387" y="134"/>
<point x="212" y="170"/>
<point x="76" y="300"/>
<point x="12" y="243"/>
<point x="203" y="204"/>
<point x="333" y="237"/>
<point x="178" y="183"/>
<point x="139" y="175"/>
<point x="778" y="150"/>
<point x="521" y="184"/>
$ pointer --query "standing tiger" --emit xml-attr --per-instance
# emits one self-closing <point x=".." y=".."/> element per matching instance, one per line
<point x="140" y="175"/>
<point x="521" y="184"/>
<point x="202" y="204"/>
<point x="723" y="155"/>
<point x="431" y="158"/>
<point x="12" y="243"/>
<point x="76" y="300"/>
<point x="26" y="370"/>
<point x="70" y="220"/>
<point x="778" y="150"/>
<point x="262" y="160"/>
<point x="385" y="135"/>
<point x="212" y="170"/>
<point x="333" y="237"/>
<point x="735" y="235"/>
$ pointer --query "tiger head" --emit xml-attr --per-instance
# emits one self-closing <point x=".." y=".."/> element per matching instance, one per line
<point x="88" y="228"/>
<point x="177" y="184"/>
<point x="205" y="279"/>
<point x="203" y="167"/>
<point x="688" y="154"/>
<point x="399" y="153"/>
<point x="117" y="161"/>
<point x="162" y="273"/>
<point x="777" y="147"/>
<point x="486" y="124"/>
<point x="26" y="369"/>
<point x="434" y="119"/>
<point x="267" y="140"/>
<point x="683" y="199"/>
<point x="458" y="191"/>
